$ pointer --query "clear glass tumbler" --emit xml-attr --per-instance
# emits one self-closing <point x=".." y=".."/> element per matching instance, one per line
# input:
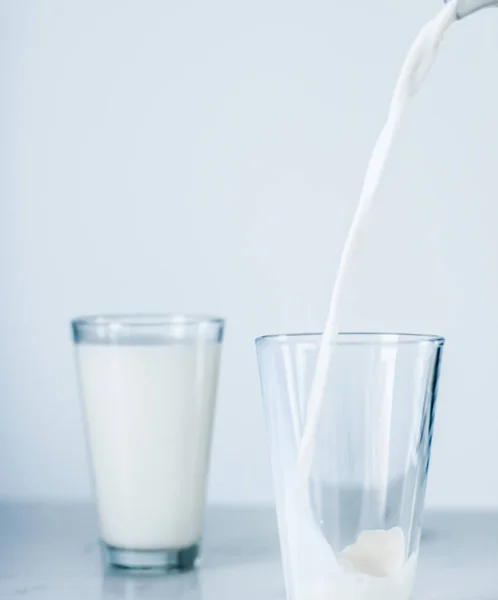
<point x="350" y="517"/>
<point x="148" y="386"/>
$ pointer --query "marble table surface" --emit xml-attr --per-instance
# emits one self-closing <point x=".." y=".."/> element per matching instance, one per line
<point x="52" y="553"/>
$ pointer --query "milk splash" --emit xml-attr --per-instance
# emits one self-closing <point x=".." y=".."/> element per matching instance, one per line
<point x="317" y="557"/>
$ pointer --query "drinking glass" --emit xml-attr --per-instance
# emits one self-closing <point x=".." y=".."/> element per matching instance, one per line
<point x="350" y="516"/>
<point x="148" y="386"/>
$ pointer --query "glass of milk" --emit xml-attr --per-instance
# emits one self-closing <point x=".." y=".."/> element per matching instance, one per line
<point x="350" y="504"/>
<point x="148" y="386"/>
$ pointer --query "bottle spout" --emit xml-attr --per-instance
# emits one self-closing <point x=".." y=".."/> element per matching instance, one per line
<point x="467" y="7"/>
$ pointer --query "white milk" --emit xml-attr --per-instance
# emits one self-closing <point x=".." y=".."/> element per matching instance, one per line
<point x="348" y="576"/>
<point x="416" y="66"/>
<point x="374" y="568"/>
<point x="149" y="412"/>
<point x="398" y="586"/>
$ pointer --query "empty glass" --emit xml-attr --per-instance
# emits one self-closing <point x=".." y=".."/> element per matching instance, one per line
<point x="350" y="525"/>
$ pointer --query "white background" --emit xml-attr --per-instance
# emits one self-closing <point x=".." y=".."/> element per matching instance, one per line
<point x="207" y="156"/>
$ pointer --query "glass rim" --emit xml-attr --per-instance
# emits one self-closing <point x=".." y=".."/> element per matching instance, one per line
<point x="352" y="338"/>
<point x="146" y="320"/>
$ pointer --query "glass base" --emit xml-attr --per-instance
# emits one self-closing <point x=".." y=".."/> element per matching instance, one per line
<point x="163" y="560"/>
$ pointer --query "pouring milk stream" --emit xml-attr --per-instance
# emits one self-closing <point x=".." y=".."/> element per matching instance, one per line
<point x="378" y="555"/>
